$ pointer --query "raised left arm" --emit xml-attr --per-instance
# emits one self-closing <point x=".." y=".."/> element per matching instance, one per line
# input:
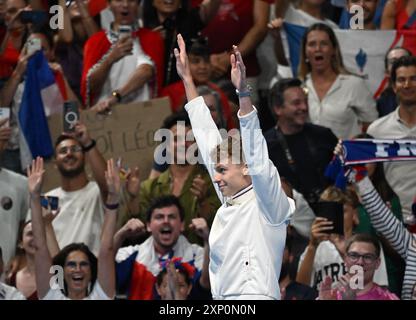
<point x="93" y="156"/>
<point x="265" y="178"/>
<point x="106" y="255"/>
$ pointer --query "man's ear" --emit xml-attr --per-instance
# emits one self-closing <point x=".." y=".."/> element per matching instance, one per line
<point x="277" y="110"/>
<point x="148" y="227"/>
<point x="183" y="226"/>
<point x="393" y="86"/>
<point x="378" y="262"/>
<point x="245" y="170"/>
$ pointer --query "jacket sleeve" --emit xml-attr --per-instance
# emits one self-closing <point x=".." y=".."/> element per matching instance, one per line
<point x="206" y="135"/>
<point x="274" y="204"/>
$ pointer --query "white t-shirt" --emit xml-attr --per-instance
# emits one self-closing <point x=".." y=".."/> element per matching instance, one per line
<point x="122" y="70"/>
<point x="96" y="294"/>
<point x="328" y="262"/>
<point x="14" y="203"/>
<point x="81" y="216"/>
<point x="10" y="293"/>
<point x="347" y="102"/>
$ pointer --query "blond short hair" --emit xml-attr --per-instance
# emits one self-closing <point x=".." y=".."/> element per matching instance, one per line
<point x="335" y="194"/>
<point x="230" y="148"/>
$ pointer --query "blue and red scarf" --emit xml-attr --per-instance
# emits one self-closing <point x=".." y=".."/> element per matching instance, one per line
<point x="362" y="151"/>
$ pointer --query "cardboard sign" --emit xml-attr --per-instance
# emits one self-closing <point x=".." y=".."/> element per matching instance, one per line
<point x="128" y="132"/>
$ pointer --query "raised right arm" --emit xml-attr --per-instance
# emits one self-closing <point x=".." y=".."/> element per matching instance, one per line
<point x="383" y="219"/>
<point x="43" y="260"/>
<point x="204" y="128"/>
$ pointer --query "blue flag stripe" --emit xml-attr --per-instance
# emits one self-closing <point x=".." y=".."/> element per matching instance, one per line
<point x="32" y="118"/>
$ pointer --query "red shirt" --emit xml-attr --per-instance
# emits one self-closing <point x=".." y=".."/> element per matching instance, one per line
<point x="232" y="22"/>
<point x="98" y="45"/>
<point x="401" y="16"/>
<point x="8" y="60"/>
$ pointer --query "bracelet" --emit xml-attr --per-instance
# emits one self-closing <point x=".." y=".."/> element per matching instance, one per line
<point x="90" y="146"/>
<point x="112" y="206"/>
<point x="244" y="93"/>
<point x="116" y="95"/>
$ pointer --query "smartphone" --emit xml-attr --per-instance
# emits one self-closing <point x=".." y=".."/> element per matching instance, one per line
<point x="46" y="201"/>
<point x="4" y="114"/>
<point x="333" y="211"/>
<point x="33" y="45"/>
<point x="37" y="17"/>
<point x="125" y="31"/>
<point x="71" y="115"/>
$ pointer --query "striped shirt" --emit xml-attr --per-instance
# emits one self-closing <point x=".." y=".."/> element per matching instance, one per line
<point x="394" y="231"/>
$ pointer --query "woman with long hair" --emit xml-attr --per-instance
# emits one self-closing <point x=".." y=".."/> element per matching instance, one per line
<point x="337" y="99"/>
<point x="21" y="269"/>
<point x="80" y="275"/>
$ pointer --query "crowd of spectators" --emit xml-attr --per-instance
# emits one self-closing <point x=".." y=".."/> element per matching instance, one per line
<point x="133" y="238"/>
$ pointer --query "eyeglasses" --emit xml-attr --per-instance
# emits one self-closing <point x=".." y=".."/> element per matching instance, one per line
<point x="73" y="149"/>
<point x="367" y="258"/>
<point x="73" y="264"/>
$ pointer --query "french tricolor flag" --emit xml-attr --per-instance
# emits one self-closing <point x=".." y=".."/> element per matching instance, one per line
<point x="43" y="95"/>
<point x="362" y="51"/>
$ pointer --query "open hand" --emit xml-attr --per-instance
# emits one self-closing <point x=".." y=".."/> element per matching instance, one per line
<point x="238" y="71"/>
<point x="35" y="176"/>
<point x="112" y="177"/>
<point x="182" y="63"/>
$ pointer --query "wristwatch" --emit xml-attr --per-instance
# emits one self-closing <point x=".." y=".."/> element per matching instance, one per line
<point x="245" y="93"/>
<point x="116" y="95"/>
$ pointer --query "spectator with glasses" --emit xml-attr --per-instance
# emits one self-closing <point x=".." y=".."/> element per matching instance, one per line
<point x="81" y="211"/>
<point x="362" y="259"/>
